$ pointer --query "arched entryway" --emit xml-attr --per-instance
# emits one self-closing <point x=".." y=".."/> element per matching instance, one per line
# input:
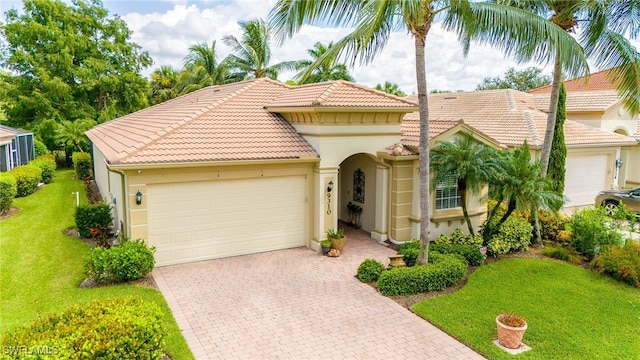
<point x="357" y="191"/>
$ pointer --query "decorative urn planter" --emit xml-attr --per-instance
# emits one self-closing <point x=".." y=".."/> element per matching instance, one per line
<point x="339" y="243"/>
<point x="511" y="329"/>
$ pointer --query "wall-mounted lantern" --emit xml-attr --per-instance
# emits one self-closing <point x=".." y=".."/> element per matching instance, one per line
<point x="138" y="198"/>
<point x="330" y="187"/>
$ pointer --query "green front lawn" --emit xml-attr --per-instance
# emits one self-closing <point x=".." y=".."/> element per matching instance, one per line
<point x="40" y="267"/>
<point x="572" y="313"/>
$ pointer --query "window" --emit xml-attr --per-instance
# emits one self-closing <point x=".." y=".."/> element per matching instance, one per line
<point x="447" y="195"/>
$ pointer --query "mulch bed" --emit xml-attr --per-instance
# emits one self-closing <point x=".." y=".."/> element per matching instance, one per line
<point x="12" y="211"/>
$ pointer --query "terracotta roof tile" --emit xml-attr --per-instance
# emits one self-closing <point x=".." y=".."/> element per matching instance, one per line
<point x="598" y="81"/>
<point x="510" y="117"/>
<point x="337" y="94"/>
<point x="585" y="101"/>
<point x="226" y="122"/>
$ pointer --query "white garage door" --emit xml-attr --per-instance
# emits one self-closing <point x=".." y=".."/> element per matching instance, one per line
<point x="586" y="175"/>
<point x="208" y="220"/>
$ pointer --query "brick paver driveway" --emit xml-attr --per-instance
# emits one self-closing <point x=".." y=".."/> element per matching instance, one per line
<point x="296" y="304"/>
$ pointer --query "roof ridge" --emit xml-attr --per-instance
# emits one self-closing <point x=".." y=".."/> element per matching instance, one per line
<point x="531" y="126"/>
<point x="374" y="91"/>
<point x="325" y="94"/>
<point x="173" y="127"/>
<point x="511" y="101"/>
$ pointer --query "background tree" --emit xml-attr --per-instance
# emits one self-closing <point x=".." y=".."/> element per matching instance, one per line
<point x="558" y="157"/>
<point x="327" y="70"/>
<point x="201" y="69"/>
<point x="390" y="88"/>
<point x="603" y="24"/>
<point x="511" y="29"/>
<point x="70" y="62"/>
<point x="70" y="134"/>
<point x="252" y="53"/>
<point x="470" y="163"/>
<point x="524" y="80"/>
<point x="163" y="85"/>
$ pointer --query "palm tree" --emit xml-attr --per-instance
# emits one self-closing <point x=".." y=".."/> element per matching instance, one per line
<point x="514" y="30"/>
<point x="71" y="135"/>
<point x="603" y="24"/>
<point x="163" y="85"/>
<point x="520" y="184"/>
<point x="469" y="163"/>
<point x="201" y="69"/>
<point x="390" y="88"/>
<point x="252" y="53"/>
<point x="325" y="71"/>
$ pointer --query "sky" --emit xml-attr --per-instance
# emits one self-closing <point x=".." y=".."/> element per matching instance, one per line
<point x="167" y="28"/>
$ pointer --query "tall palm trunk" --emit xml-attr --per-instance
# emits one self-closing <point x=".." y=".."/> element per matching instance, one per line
<point x="551" y="118"/>
<point x="465" y="212"/>
<point x="423" y="105"/>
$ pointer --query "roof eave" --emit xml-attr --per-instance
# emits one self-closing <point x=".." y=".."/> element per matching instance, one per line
<point x="191" y="164"/>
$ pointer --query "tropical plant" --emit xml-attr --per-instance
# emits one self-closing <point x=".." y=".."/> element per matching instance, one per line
<point x="467" y="162"/>
<point x="325" y="71"/>
<point x="511" y="29"/>
<point x="71" y="135"/>
<point x="252" y="53"/>
<point x="390" y="88"/>
<point x="162" y="86"/>
<point x="603" y="24"/>
<point x="558" y="156"/>
<point x="335" y="234"/>
<point x="201" y="69"/>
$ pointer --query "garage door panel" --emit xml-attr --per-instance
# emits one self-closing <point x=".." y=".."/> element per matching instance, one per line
<point x="207" y="220"/>
<point x="586" y="175"/>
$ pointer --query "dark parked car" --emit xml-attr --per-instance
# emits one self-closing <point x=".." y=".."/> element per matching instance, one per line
<point x="611" y="199"/>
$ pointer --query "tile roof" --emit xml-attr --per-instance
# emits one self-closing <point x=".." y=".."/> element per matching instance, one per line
<point x="226" y="122"/>
<point x="509" y="117"/>
<point x="598" y="81"/>
<point x="338" y="93"/>
<point x="585" y="101"/>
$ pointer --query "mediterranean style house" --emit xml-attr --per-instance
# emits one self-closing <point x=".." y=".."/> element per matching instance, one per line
<point x="259" y="165"/>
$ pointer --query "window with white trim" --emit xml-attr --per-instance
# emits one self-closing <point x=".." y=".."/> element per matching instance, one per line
<point x="447" y="195"/>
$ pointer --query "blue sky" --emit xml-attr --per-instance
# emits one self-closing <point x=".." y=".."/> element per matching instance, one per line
<point x="167" y="28"/>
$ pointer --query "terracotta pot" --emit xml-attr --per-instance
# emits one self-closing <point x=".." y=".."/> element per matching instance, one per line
<point x="338" y="243"/>
<point x="509" y="336"/>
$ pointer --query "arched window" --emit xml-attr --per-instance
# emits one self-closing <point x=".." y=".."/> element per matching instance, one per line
<point x="358" y="186"/>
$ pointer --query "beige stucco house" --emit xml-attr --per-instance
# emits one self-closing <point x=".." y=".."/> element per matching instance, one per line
<point x="260" y="165"/>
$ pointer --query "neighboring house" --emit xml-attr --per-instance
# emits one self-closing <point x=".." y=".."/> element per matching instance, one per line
<point x="596" y="103"/>
<point x="259" y="165"/>
<point x="16" y="148"/>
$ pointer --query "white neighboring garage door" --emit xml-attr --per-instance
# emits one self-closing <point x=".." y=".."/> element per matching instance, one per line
<point x="586" y="175"/>
<point x="214" y="219"/>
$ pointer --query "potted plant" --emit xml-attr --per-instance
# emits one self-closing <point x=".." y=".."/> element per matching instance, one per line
<point x="337" y="238"/>
<point x="511" y="329"/>
<point x="326" y="246"/>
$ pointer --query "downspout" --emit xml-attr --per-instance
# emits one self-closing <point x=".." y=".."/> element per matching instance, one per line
<point x="125" y="199"/>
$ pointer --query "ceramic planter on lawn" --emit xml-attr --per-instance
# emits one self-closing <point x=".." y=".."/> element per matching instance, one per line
<point x="511" y="329"/>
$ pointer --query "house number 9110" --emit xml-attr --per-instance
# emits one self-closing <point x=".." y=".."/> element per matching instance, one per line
<point x="328" y="203"/>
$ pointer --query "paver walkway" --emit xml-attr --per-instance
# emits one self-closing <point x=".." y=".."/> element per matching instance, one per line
<point x="297" y="304"/>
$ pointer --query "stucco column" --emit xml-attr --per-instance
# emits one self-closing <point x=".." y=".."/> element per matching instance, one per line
<point x="379" y="232"/>
<point x="326" y="200"/>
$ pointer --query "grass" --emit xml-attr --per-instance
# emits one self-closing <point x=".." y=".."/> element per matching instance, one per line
<point x="572" y="313"/>
<point x="40" y="267"/>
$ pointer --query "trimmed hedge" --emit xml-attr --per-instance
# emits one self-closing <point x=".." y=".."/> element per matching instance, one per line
<point x="47" y="165"/>
<point x="471" y="253"/>
<point x="27" y="179"/>
<point x="370" y="270"/>
<point x="130" y="261"/>
<point x="514" y="235"/>
<point x="621" y="263"/>
<point x="444" y="271"/>
<point x="82" y="164"/>
<point x="8" y="190"/>
<point x="40" y="148"/>
<point x="91" y="216"/>
<point x="457" y="237"/>
<point x="122" y="328"/>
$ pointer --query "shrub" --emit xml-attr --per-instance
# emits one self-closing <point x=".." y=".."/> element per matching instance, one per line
<point x="27" y="179"/>
<point x="121" y="328"/>
<point x="514" y="235"/>
<point x="8" y="190"/>
<point x="457" y="237"/>
<point x="130" y="261"/>
<point x="82" y="165"/>
<point x="369" y="270"/>
<point x="621" y="263"/>
<point x="47" y="165"/>
<point x="551" y="225"/>
<point x="589" y="231"/>
<point x="444" y="271"/>
<point x="40" y="148"/>
<point x="91" y="216"/>
<point x="470" y="253"/>
<point x="410" y="256"/>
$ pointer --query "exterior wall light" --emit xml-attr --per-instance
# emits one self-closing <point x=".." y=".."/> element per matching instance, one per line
<point x="618" y="163"/>
<point x="330" y="187"/>
<point x="138" y="198"/>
